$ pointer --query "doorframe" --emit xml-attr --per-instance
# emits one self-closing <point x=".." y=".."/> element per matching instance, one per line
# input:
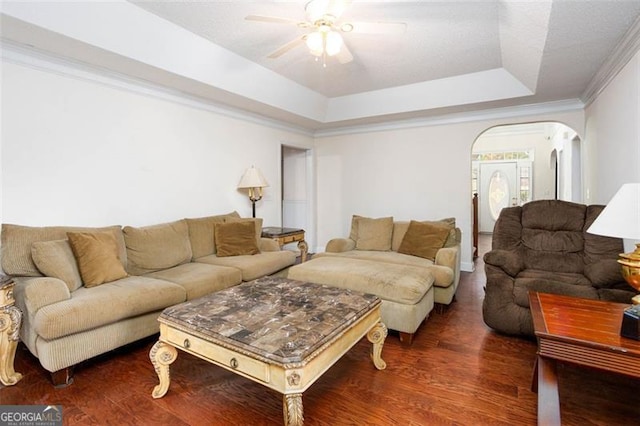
<point x="310" y="233"/>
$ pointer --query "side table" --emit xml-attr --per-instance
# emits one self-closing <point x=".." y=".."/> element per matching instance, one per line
<point x="582" y="332"/>
<point x="287" y="235"/>
<point x="10" y="318"/>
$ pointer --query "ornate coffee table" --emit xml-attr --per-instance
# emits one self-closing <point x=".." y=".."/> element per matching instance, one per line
<point x="281" y="333"/>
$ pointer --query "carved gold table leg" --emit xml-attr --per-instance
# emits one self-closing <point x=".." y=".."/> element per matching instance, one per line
<point x="304" y="248"/>
<point x="292" y="409"/>
<point x="376" y="335"/>
<point x="10" y="318"/>
<point x="162" y="355"/>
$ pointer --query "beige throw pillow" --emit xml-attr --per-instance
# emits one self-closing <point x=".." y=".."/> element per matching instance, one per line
<point x="236" y="238"/>
<point x="157" y="247"/>
<point x="97" y="257"/>
<point x="55" y="259"/>
<point x="374" y="234"/>
<point x="424" y="239"/>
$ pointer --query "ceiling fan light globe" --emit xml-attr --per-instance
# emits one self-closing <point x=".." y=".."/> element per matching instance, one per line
<point x="314" y="42"/>
<point x="333" y="43"/>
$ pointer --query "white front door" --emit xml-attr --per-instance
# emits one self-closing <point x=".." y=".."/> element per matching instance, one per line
<point x="498" y="189"/>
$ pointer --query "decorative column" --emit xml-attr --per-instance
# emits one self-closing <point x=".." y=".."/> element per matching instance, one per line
<point x="10" y="318"/>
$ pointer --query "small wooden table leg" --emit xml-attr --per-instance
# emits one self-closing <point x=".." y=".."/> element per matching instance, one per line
<point x="162" y="355"/>
<point x="292" y="409"/>
<point x="376" y="335"/>
<point x="10" y="319"/>
<point x="548" y="399"/>
<point x="304" y="248"/>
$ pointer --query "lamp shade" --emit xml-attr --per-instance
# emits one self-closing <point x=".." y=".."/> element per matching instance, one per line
<point x="252" y="178"/>
<point x="621" y="217"/>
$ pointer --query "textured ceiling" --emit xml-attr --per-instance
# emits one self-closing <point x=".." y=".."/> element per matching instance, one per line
<point x="535" y="40"/>
<point x="454" y="57"/>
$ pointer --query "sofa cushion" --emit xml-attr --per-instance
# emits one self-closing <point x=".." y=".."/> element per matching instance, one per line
<point x="443" y="275"/>
<point x="97" y="256"/>
<point x="424" y="239"/>
<point x="17" y="240"/>
<point x="235" y="239"/>
<point x="396" y="283"/>
<point x="254" y="266"/>
<point x="90" y="308"/>
<point x="199" y="279"/>
<point x="55" y="259"/>
<point x="374" y="234"/>
<point x="156" y="247"/>
<point x="201" y="233"/>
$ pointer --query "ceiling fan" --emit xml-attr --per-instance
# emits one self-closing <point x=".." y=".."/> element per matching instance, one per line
<point x="324" y="39"/>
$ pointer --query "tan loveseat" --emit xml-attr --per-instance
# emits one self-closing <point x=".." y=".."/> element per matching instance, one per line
<point x="65" y="321"/>
<point x="445" y="267"/>
<point x="374" y="260"/>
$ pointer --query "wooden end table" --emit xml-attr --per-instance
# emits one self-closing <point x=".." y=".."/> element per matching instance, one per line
<point x="578" y="331"/>
<point x="287" y="235"/>
<point x="10" y="318"/>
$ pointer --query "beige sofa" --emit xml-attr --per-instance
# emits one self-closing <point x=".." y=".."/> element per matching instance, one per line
<point x="376" y="261"/>
<point x="65" y="321"/>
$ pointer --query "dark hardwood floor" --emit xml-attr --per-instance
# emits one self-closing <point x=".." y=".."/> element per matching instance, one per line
<point x="456" y="372"/>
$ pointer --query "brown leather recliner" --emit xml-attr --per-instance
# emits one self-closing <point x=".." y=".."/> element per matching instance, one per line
<point x="543" y="246"/>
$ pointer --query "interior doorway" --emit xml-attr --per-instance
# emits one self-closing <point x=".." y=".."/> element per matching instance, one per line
<point x="296" y="199"/>
<point x="510" y="165"/>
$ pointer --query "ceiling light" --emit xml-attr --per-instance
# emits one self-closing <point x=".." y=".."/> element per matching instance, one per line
<point x="315" y="43"/>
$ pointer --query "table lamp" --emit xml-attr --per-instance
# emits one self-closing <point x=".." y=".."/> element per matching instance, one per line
<point x="621" y="219"/>
<point x="253" y="180"/>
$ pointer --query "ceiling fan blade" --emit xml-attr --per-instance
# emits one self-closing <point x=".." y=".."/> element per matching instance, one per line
<point x="374" y="27"/>
<point x="276" y="20"/>
<point x="344" y="56"/>
<point x="285" y="48"/>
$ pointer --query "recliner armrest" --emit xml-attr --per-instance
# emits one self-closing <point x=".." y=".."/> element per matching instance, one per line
<point x="511" y="262"/>
<point x="338" y="245"/>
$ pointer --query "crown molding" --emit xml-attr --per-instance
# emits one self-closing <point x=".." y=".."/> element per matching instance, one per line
<point x="29" y="57"/>
<point x="463" y="117"/>
<point x="619" y="57"/>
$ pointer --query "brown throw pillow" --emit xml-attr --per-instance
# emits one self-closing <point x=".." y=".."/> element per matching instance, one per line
<point x="424" y="239"/>
<point x="97" y="257"/>
<point x="236" y="238"/>
<point x="374" y="234"/>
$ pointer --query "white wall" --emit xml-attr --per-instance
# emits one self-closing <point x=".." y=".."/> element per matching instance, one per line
<point x="78" y="152"/>
<point x="415" y="173"/>
<point x="612" y="136"/>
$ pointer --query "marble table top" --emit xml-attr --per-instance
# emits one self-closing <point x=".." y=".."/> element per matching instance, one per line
<point x="281" y="320"/>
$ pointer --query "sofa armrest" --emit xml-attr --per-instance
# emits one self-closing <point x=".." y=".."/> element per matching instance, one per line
<point x="267" y="244"/>
<point x="338" y="245"/>
<point x="447" y="256"/>
<point x="35" y="293"/>
<point x="509" y="261"/>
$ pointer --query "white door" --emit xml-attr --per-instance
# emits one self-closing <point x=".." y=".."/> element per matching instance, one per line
<point x="294" y="188"/>
<point x="498" y="189"/>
